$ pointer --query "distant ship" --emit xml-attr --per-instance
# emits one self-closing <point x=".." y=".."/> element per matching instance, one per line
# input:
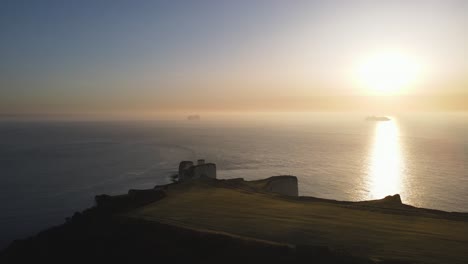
<point x="193" y="117"/>
<point x="377" y="118"/>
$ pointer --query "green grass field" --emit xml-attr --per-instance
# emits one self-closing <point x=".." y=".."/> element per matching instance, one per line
<point x="361" y="231"/>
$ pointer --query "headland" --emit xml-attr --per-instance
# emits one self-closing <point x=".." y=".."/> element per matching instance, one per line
<point x="202" y="218"/>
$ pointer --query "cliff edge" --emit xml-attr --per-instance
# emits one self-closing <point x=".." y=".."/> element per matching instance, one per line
<point x="210" y="220"/>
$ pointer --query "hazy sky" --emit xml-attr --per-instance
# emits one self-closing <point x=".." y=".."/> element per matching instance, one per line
<point x="149" y="56"/>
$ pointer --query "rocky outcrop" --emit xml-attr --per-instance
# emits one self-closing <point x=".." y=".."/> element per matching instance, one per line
<point x="285" y="185"/>
<point x="392" y="199"/>
<point x="193" y="117"/>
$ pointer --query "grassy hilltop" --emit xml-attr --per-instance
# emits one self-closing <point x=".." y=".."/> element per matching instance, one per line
<point x="232" y="221"/>
<point x="384" y="229"/>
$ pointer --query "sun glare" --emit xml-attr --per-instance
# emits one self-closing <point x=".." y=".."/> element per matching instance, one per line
<point x="386" y="163"/>
<point x="388" y="73"/>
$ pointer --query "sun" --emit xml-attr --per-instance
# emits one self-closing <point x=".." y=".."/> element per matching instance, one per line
<point x="388" y="73"/>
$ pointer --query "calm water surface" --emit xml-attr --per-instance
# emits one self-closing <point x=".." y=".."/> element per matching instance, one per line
<point x="48" y="170"/>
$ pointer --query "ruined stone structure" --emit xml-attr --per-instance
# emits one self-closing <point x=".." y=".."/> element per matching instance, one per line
<point x="187" y="170"/>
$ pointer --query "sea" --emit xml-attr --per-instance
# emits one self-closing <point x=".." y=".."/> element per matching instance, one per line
<point x="50" y="169"/>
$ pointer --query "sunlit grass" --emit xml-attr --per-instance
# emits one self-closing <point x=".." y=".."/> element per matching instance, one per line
<point x="371" y="233"/>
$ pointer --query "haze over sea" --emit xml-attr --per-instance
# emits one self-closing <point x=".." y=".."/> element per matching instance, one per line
<point x="51" y="169"/>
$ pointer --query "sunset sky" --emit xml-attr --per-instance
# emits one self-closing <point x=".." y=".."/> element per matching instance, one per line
<point x="84" y="57"/>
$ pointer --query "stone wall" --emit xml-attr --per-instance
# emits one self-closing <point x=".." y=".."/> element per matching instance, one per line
<point x="184" y="169"/>
<point x="207" y="170"/>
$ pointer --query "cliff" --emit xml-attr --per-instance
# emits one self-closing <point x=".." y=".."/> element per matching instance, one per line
<point x="232" y="221"/>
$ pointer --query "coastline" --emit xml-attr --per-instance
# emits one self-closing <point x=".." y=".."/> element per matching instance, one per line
<point x="256" y="212"/>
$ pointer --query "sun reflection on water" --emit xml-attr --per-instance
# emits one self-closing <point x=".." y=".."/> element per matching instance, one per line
<point x="386" y="162"/>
